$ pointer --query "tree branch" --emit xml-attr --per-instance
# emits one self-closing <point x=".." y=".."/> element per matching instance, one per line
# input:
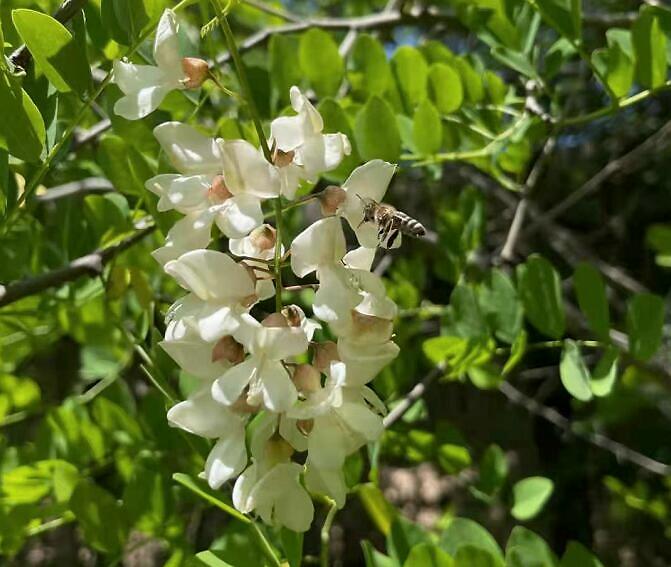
<point x="412" y="396"/>
<point x="621" y="452"/>
<point x="81" y="187"/>
<point x="89" y="265"/>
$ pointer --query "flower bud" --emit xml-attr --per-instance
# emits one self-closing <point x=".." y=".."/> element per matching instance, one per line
<point x="218" y="192"/>
<point x="275" y="320"/>
<point x="264" y="237"/>
<point x="241" y="406"/>
<point x="229" y="350"/>
<point x="305" y="426"/>
<point x="324" y="354"/>
<point x="331" y="198"/>
<point x="371" y="327"/>
<point x="307" y="379"/>
<point x="196" y="72"/>
<point x="293" y="315"/>
<point x="282" y="159"/>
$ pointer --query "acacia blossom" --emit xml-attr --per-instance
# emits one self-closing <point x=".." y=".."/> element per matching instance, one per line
<point x="282" y="428"/>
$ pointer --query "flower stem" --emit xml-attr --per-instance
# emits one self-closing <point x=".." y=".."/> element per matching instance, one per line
<point x="265" y="545"/>
<point x="326" y="533"/>
<point x="253" y="111"/>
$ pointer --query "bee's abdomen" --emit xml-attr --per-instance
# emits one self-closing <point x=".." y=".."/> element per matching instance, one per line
<point x="410" y="226"/>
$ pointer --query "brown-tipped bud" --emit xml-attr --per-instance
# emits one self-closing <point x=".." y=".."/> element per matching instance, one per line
<point x="331" y="198"/>
<point x="229" y="350"/>
<point x="282" y="159"/>
<point x="196" y="72"/>
<point x="263" y="237"/>
<point x="371" y="325"/>
<point x="241" y="406"/>
<point x="325" y="353"/>
<point x="275" y="320"/>
<point x="307" y="379"/>
<point x="218" y="192"/>
<point x="278" y="450"/>
<point x="305" y="426"/>
<point x="293" y="315"/>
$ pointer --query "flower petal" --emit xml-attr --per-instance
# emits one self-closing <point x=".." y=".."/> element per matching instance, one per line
<point x="212" y="275"/>
<point x="141" y="103"/>
<point x="189" y="151"/>
<point x="247" y="171"/>
<point x="365" y="361"/>
<point x="330" y="482"/>
<point x="187" y="234"/>
<point x="321" y="244"/>
<point x="239" y="215"/>
<point x="190" y="352"/>
<point x="227" y="458"/>
<point x="228" y="388"/>
<point x="203" y="416"/>
<point x="279" y="392"/>
<point x="360" y="258"/>
<point x="186" y="194"/>
<point x="166" y="45"/>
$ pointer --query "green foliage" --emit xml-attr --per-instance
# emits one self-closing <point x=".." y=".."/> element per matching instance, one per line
<point x="649" y="42"/>
<point x="540" y="290"/>
<point x="645" y="318"/>
<point x="321" y="62"/>
<point x="375" y="131"/>
<point x="591" y="292"/>
<point x="530" y="496"/>
<point x="22" y="131"/>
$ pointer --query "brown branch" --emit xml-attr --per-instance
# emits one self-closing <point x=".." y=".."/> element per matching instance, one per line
<point x="89" y="265"/>
<point x="621" y="452"/>
<point x="412" y="396"/>
<point x="655" y="143"/>
<point x="76" y="188"/>
<point x="21" y="57"/>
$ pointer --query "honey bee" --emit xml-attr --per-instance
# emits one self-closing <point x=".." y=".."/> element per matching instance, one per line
<point x="390" y="222"/>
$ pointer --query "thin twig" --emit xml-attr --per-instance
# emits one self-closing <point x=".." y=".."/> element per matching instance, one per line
<point x="412" y="396"/>
<point x="326" y="534"/>
<point x="76" y="188"/>
<point x="655" y="143"/>
<point x="89" y="265"/>
<point x="621" y="452"/>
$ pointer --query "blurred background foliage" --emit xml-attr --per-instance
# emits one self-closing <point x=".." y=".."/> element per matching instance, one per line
<point x="531" y="403"/>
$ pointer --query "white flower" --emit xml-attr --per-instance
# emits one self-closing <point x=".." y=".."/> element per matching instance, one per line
<point x="269" y="343"/>
<point x="344" y="419"/>
<point x="190" y="233"/>
<point x="369" y="181"/>
<point x="221" y="291"/>
<point x="202" y="416"/>
<point x="303" y="152"/>
<point x="145" y="86"/>
<point x="211" y="187"/>
<point x="260" y="243"/>
<point x="270" y="486"/>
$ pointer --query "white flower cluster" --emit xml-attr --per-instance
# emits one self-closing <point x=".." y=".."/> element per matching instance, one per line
<point x="282" y="426"/>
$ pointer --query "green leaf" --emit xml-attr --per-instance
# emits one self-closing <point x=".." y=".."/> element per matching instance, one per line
<point x="376" y="132"/>
<point x="650" y="49"/>
<point x="380" y="511"/>
<point x="126" y="19"/>
<point x="22" y="131"/>
<point x="321" y="62"/>
<point x="100" y="517"/>
<point x="211" y="559"/>
<point x="591" y="292"/>
<point x="501" y="306"/>
<point x="515" y="60"/>
<point x="55" y="51"/>
<point x="402" y="537"/>
<point x="577" y="555"/>
<point x="374" y="558"/>
<point x="529" y="497"/>
<point x="428" y="555"/>
<point x="335" y="120"/>
<point x="540" y="289"/>
<point x="284" y="73"/>
<point x="292" y="544"/>
<point x="147" y="500"/>
<point x="427" y="129"/>
<point x="573" y="372"/>
<point x="563" y="15"/>
<point x="605" y="373"/>
<point x="469" y="556"/>
<point x="466" y="319"/>
<point x="411" y="73"/>
<point x="463" y="532"/>
<point x="474" y="88"/>
<point x="526" y="549"/>
<point x="616" y="62"/>
<point x="457" y="353"/>
<point x="517" y="352"/>
<point x="493" y="470"/>
<point x="370" y="71"/>
<point x="445" y="88"/>
<point x="645" y="320"/>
